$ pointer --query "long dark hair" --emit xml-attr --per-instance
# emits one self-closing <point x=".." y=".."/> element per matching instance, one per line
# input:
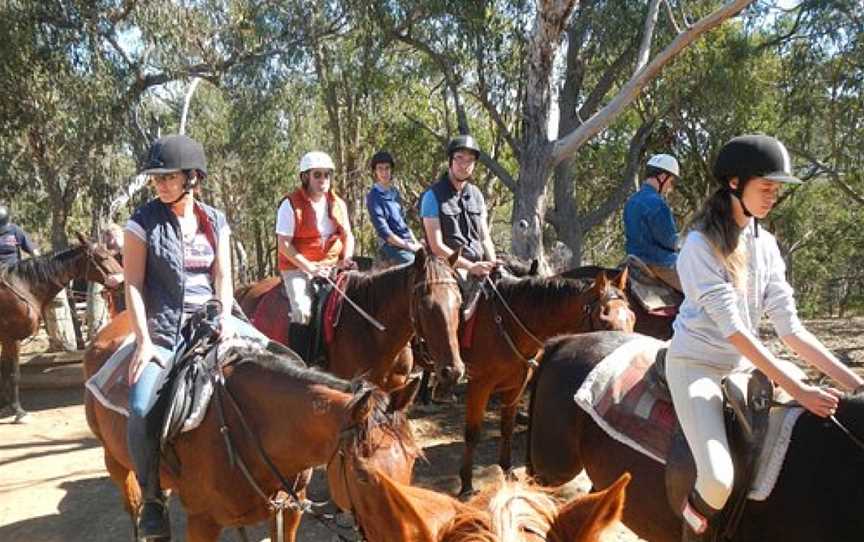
<point x="716" y="221"/>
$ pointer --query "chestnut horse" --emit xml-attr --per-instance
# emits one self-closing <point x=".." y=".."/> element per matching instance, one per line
<point x="655" y="325"/>
<point x="817" y="498"/>
<point x="422" y="298"/>
<point x="387" y="509"/>
<point x="509" y="329"/>
<point x="298" y="416"/>
<point x="25" y="289"/>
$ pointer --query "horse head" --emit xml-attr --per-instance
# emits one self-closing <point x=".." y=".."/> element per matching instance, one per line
<point x="435" y="305"/>
<point x="585" y="518"/>
<point x="610" y="309"/>
<point x="97" y="264"/>
<point x="375" y="437"/>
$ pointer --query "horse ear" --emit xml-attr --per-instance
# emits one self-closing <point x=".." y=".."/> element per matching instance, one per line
<point x="535" y="267"/>
<point x="620" y="281"/>
<point x="401" y="398"/>
<point x="420" y="258"/>
<point x="601" y="282"/>
<point x="453" y="258"/>
<point x="586" y="517"/>
<point x="81" y="239"/>
<point x="363" y="409"/>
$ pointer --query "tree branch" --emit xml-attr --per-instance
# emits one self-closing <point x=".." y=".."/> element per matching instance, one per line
<point x="568" y="145"/>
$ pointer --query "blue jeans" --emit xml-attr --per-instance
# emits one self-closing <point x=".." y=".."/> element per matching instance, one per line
<point x="143" y="433"/>
<point x="395" y="255"/>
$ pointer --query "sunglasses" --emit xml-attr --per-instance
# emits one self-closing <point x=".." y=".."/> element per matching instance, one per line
<point x="322" y="174"/>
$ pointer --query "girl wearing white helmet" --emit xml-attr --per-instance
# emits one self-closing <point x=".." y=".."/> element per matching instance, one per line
<point x="314" y="236"/>
<point x="732" y="273"/>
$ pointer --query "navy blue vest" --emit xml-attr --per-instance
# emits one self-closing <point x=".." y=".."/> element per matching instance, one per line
<point x="164" y="276"/>
<point x="461" y="217"/>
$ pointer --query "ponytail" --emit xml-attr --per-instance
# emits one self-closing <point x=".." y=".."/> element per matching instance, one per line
<point x="715" y="220"/>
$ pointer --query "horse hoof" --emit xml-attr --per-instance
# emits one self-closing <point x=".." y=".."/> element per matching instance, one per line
<point x="22" y="418"/>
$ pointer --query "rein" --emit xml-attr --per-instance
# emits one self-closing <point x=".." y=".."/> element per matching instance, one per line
<point x="530" y="363"/>
<point x="837" y="423"/>
<point x="276" y="504"/>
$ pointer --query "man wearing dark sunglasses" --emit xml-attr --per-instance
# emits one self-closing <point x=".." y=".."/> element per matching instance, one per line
<point x="314" y="237"/>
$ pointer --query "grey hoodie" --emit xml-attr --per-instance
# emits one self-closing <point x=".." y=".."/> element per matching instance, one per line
<point x="713" y="309"/>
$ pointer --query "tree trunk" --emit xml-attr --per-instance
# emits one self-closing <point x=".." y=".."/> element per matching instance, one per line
<point x="529" y="204"/>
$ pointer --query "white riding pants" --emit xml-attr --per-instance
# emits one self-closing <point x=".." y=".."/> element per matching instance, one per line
<point x="298" y="288"/>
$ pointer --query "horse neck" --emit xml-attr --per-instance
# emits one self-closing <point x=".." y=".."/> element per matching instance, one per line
<point x="312" y="414"/>
<point x="555" y="315"/>
<point x="68" y="269"/>
<point x="391" y="312"/>
<point x="388" y="510"/>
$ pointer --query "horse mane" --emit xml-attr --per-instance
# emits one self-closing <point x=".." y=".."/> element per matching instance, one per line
<point x="41" y="268"/>
<point x="539" y="292"/>
<point x="376" y="414"/>
<point x="368" y="288"/>
<point x="589" y="272"/>
<point x="290" y="366"/>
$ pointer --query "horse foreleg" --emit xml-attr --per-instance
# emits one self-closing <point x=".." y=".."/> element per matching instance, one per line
<point x="509" y="403"/>
<point x="202" y="528"/>
<point x="11" y="378"/>
<point x="290" y="524"/>
<point x="476" y="400"/>
<point x="130" y="491"/>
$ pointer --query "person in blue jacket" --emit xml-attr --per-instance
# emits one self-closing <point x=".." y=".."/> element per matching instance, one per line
<point x="649" y="226"/>
<point x="13" y="240"/>
<point x="396" y="241"/>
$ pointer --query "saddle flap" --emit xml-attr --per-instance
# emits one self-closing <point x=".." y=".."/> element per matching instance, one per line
<point x="652" y="293"/>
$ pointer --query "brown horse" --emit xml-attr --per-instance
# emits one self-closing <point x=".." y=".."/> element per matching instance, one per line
<point x="421" y="298"/>
<point x="25" y="289"/>
<point x="298" y="416"/>
<point x="509" y="328"/>
<point x="387" y="509"/>
<point x="647" y="323"/>
<point x="818" y="496"/>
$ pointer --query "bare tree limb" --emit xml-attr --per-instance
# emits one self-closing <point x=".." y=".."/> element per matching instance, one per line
<point x="671" y="16"/>
<point x="569" y="144"/>
<point x="647" y="36"/>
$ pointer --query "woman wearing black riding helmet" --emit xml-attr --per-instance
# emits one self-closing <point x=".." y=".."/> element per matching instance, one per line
<point x="176" y="257"/>
<point x="732" y="272"/>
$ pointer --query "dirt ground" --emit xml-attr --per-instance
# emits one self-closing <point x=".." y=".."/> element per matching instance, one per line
<point x="54" y="488"/>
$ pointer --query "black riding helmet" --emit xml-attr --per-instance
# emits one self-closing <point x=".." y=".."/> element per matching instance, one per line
<point x="463" y="143"/>
<point x="4" y="215"/>
<point x="381" y="157"/>
<point x="752" y="156"/>
<point x="175" y="153"/>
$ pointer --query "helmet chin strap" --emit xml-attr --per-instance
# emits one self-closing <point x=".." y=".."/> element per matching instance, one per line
<point x="739" y="195"/>
<point x="188" y="185"/>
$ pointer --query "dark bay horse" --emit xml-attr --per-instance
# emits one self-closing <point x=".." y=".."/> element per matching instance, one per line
<point x="25" y="289"/>
<point x="421" y="298"/>
<point x="299" y="415"/>
<point x="817" y="498"/>
<point x="386" y="509"/>
<point x="647" y="323"/>
<point x="508" y="333"/>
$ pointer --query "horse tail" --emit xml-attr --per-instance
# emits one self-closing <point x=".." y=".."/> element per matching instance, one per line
<point x="550" y="349"/>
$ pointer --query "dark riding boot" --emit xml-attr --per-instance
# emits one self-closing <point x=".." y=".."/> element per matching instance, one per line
<point x="153" y="522"/>
<point x="300" y="336"/>
<point x="697" y="515"/>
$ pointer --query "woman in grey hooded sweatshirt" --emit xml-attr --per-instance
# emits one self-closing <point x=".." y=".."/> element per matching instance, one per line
<point x="732" y="273"/>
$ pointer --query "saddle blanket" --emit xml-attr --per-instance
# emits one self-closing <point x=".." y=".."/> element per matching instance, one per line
<point x="624" y="404"/>
<point x="110" y="385"/>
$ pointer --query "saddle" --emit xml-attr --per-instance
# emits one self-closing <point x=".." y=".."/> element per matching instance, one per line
<point x="270" y="318"/>
<point x="653" y="294"/>
<point x="748" y="398"/>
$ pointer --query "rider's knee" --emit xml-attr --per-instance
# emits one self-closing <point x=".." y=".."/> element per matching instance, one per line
<point x="715" y="487"/>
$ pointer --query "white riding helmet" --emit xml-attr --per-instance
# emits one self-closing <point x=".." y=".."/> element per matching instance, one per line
<point x="316" y="160"/>
<point x="666" y="162"/>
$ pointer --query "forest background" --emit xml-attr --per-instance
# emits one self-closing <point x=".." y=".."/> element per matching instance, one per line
<point x="567" y="98"/>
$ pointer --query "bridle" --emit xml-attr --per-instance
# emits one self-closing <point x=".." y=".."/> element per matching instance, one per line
<point x="610" y="294"/>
